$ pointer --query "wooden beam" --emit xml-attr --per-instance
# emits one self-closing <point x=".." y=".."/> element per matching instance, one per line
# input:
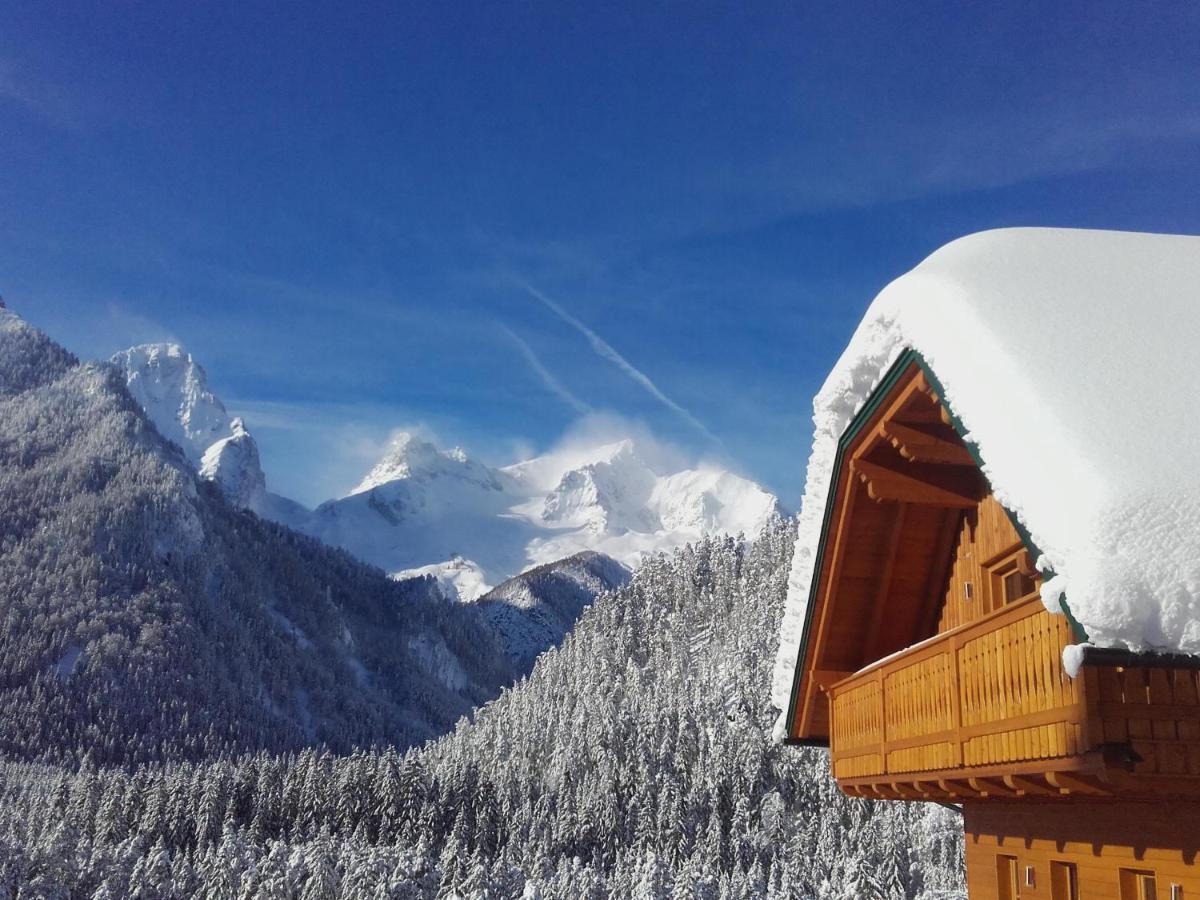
<point x="957" y="487"/>
<point x="940" y="445"/>
<point x="906" y="792"/>
<point x="844" y="496"/>
<point x="990" y="787"/>
<point x="878" y="792"/>
<point x="931" y="790"/>
<point x="1070" y="783"/>
<point x="921" y="384"/>
<point x="958" y="788"/>
<point x="1028" y="786"/>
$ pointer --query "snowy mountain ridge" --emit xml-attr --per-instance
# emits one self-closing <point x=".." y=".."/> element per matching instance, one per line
<point x="424" y="511"/>
<point x="421" y="510"/>
<point x="172" y="389"/>
<point x="407" y="457"/>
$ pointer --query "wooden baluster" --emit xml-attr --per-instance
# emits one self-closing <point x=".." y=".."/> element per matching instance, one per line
<point x="1004" y="670"/>
<point x="982" y="667"/>
<point x="1029" y="736"/>
<point x="1041" y="745"/>
<point x="956" y="758"/>
<point x="880" y="706"/>
<point x="969" y="669"/>
<point x="1048" y="652"/>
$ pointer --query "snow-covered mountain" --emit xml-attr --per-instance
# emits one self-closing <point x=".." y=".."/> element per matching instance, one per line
<point x="134" y="596"/>
<point x="533" y="611"/>
<point x="425" y="511"/>
<point x="422" y="510"/>
<point x="173" y="390"/>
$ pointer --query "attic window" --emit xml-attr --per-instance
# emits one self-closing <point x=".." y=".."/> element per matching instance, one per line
<point x="1017" y="585"/>
<point x="1013" y="578"/>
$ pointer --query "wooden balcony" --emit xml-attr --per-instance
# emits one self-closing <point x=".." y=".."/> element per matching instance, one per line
<point x="982" y="710"/>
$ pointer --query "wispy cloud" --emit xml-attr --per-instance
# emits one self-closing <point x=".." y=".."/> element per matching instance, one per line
<point x="314" y="451"/>
<point x="37" y="96"/>
<point x="555" y="386"/>
<point x="125" y="327"/>
<point x="606" y="351"/>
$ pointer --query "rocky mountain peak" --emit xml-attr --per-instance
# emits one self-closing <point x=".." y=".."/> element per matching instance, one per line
<point x="172" y="388"/>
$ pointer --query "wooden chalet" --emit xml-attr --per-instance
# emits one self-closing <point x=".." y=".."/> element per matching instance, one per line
<point x="931" y="668"/>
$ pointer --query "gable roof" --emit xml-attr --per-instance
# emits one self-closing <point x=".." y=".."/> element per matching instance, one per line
<point x="1067" y="356"/>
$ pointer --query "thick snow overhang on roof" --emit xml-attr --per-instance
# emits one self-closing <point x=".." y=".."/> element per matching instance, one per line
<point x="1068" y="357"/>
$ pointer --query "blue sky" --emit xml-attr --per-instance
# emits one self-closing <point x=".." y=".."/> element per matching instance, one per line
<point x="491" y="220"/>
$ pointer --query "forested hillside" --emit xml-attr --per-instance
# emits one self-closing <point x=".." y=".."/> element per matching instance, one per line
<point x="635" y="761"/>
<point x="534" y="611"/>
<point x="142" y="617"/>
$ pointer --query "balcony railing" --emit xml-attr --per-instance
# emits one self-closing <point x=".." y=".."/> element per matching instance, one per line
<point x="988" y="694"/>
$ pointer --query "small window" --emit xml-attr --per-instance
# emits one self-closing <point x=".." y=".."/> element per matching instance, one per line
<point x="1017" y="585"/>
<point x="1011" y="577"/>
<point x="1064" y="881"/>
<point x="1138" y="884"/>
<point x="1008" y="886"/>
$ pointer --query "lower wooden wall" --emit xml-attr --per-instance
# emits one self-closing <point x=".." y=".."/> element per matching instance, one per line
<point x="1100" y="838"/>
<point x="1157" y="711"/>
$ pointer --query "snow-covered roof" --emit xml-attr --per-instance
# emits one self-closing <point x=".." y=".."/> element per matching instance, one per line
<point x="1071" y="358"/>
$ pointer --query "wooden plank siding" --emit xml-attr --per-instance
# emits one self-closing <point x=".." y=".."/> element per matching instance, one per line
<point x="986" y="538"/>
<point x="1155" y="711"/>
<point x="1103" y="840"/>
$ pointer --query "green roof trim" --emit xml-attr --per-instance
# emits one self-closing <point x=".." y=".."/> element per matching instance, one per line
<point x="893" y="374"/>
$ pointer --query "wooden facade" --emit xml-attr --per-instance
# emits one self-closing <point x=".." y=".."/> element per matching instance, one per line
<point x="1023" y="850"/>
<point x="933" y="671"/>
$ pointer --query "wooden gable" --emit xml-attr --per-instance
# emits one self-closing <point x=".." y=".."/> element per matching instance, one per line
<point x="913" y="544"/>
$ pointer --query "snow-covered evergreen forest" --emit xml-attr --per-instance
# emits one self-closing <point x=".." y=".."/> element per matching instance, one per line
<point x="634" y="762"/>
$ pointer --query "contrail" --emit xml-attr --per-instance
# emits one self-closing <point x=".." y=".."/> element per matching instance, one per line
<point x="555" y="386"/>
<point x="608" y="352"/>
